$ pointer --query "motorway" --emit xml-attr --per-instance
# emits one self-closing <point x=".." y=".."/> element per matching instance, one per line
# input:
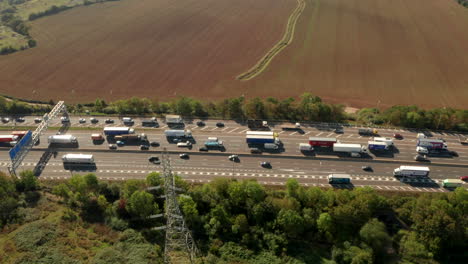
<point x="128" y="161"/>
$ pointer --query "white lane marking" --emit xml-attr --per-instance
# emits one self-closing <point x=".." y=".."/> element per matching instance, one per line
<point x="243" y="131"/>
<point x="224" y="129"/>
<point x="307" y="133"/>
<point x="329" y="134"/>
<point x="319" y="134"/>
<point x="281" y="132"/>
<point x="293" y="133"/>
<point x="233" y="130"/>
<point x="204" y="128"/>
<point x="339" y="135"/>
<point x="349" y="136"/>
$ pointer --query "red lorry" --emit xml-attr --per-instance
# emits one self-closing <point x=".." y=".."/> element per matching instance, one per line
<point x="322" y="141"/>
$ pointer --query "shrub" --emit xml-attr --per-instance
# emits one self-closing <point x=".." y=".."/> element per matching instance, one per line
<point x="34" y="235"/>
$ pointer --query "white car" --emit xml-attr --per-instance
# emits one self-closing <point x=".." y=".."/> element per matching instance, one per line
<point x="422" y="150"/>
<point x="233" y="157"/>
<point x="184" y="144"/>
<point x="82" y="121"/>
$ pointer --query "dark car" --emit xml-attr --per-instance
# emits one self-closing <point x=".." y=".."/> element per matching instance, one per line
<point x="154" y="159"/>
<point x="255" y="151"/>
<point x="93" y="120"/>
<point x="109" y="121"/>
<point x="339" y="130"/>
<point x="200" y="123"/>
<point x="37" y="120"/>
<point x="420" y="158"/>
<point x="184" y="156"/>
<point x="203" y="149"/>
<point x="20" y="119"/>
<point x="220" y="124"/>
<point x="397" y="136"/>
<point x="144" y="147"/>
<point x="367" y="168"/>
<point x="265" y="164"/>
<point x="154" y="144"/>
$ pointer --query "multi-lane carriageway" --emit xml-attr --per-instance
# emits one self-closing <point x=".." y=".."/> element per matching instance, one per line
<point x="129" y="162"/>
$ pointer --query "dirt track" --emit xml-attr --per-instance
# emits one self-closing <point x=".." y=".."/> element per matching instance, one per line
<point x="357" y="52"/>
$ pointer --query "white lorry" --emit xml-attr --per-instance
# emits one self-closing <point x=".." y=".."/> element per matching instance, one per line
<point x="387" y="141"/>
<point x="415" y="171"/>
<point x="178" y="133"/>
<point x="62" y="139"/>
<point x="305" y="147"/>
<point x="78" y="158"/>
<point x="355" y="150"/>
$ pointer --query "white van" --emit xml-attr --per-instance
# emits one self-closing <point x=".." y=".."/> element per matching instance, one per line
<point x="184" y="144"/>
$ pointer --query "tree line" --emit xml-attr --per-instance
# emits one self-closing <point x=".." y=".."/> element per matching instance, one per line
<point x="307" y="108"/>
<point x="244" y="222"/>
<point x="463" y="3"/>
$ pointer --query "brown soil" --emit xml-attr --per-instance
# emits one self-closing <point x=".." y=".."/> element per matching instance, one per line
<point x="357" y="52"/>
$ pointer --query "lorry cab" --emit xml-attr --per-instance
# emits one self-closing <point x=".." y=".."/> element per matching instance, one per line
<point x="421" y="135"/>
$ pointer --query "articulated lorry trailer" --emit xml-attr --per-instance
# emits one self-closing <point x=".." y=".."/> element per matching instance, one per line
<point x="78" y="158"/>
<point x="174" y="120"/>
<point x="131" y="137"/>
<point x="257" y="124"/>
<point x="114" y="131"/>
<point x="339" y="179"/>
<point x="377" y="146"/>
<point x="368" y="131"/>
<point x="8" y="138"/>
<point x="178" y="133"/>
<point x="322" y="142"/>
<point x="386" y="140"/>
<point x="62" y="139"/>
<point x="431" y="144"/>
<point x="349" y="148"/>
<point x="259" y="139"/>
<point x="415" y="171"/>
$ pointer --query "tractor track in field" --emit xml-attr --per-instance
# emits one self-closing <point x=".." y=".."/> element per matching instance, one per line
<point x="278" y="47"/>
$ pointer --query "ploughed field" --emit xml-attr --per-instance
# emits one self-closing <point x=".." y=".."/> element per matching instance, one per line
<point x="358" y="52"/>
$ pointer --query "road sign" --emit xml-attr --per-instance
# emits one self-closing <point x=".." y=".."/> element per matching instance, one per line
<point x="19" y="146"/>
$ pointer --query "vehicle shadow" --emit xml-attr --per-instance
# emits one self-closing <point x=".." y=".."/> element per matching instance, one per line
<point x="383" y="154"/>
<point x="419" y="182"/>
<point x="42" y="163"/>
<point x="99" y="142"/>
<point x="91" y="167"/>
<point x="342" y="186"/>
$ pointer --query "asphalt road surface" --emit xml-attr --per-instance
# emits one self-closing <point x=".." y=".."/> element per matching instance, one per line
<point x="129" y="162"/>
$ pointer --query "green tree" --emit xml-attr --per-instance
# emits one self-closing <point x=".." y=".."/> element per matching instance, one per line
<point x="291" y="222"/>
<point x="189" y="208"/>
<point x="255" y="108"/>
<point x="131" y="186"/>
<point x="292" y="188"/>
<point x="240" y="225"/>
<point x="374" y="234"/>
<point x="325" y="226"/>
<point x="28" y="180"/>
<point x="142" y="204"/>
<point x="153" y="179"/>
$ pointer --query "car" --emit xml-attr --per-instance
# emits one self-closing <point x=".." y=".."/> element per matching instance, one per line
<point x="220" y="124"/>
<point x="37" y="120"/>
<point x="109" y="121"/>
<point x="203" y="149"/>
<point x="5" y="119"/>
<point x="255" y="151"/>
<point x="265" y="164"/>
<point x="154" y="144"/>
<point x="464" y="178"/>
<point x="20" y="119"/>
<point x="93" y="120"/>
<point x="200" y="123"/>
<point x="233" y="157"/>
<point x="366" y="168"/>
<point x="112" y="146"/>
<point x="420" y="158"/>
<point x="339" y="130"/>
<point x="184" y="144"/>
<point x="154" y="119"/>
<point x="422" y="150"/>
<point x="154" y="160"/>
<point x="397" y="136"/>
<point x="144" y="147"/>
<point x="120" y="143"/>
<point x="82" y="121"/>
<point x="184" y="156"/>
